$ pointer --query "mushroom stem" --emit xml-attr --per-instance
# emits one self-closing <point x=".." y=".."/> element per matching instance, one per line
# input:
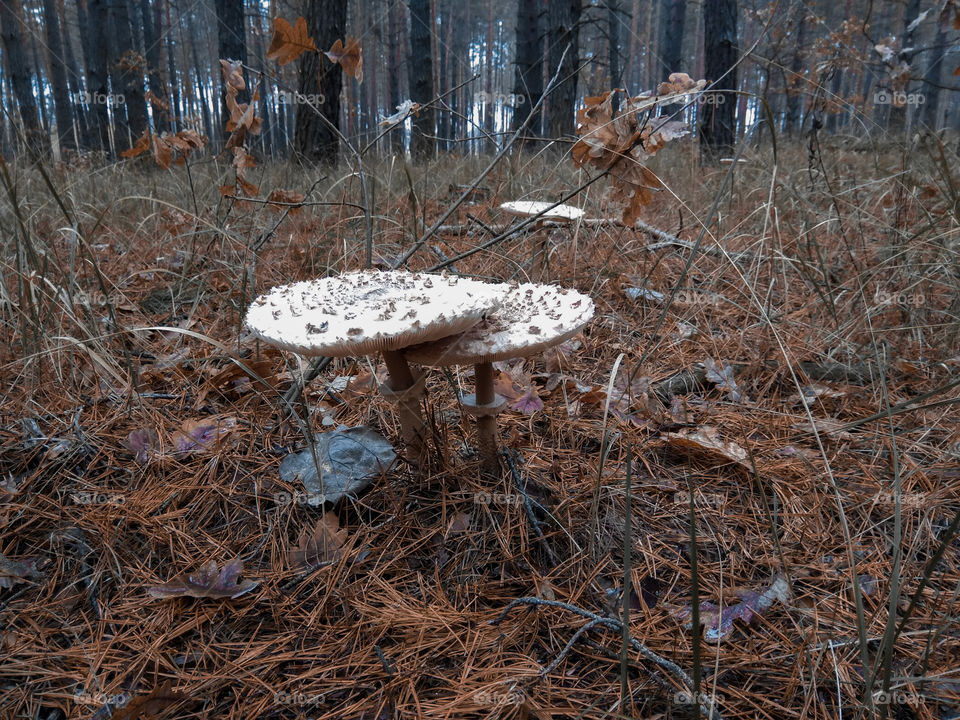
<point x="486" y="423"/>
<point x="411" y="421"/>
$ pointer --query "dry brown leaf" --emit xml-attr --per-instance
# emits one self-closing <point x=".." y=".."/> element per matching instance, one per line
<point x="289" y="42"/>
<point x="322" y="545"/>
<point x="349" y="57"/>
<point x="705" y="442"/>
<point x="287" y="197"/>
<point x="208" y="582"/>
<point x="149" y="706"/>
<point x="141" y="146"/>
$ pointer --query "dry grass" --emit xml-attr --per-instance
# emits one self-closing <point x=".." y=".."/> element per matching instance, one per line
<point x="853" y="264"/>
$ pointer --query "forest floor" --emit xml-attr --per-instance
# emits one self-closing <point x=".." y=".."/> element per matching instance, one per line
<point x="784" y="387"/>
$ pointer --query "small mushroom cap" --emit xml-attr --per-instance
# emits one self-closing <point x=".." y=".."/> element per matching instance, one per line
<point x="365" y="312"/>
<point x="526" y="208"/>
<point x="532" y="318"/>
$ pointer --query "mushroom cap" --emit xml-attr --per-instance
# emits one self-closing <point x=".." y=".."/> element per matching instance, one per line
<point x="364" y="312"/>
<point x="528" y="208"/>
<point x="532" y="318"/>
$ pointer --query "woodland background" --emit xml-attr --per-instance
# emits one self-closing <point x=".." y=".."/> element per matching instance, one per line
<point x="94" y="74"/>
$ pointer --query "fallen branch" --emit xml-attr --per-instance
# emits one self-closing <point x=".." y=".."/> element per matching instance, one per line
<point x="610" y="624"/>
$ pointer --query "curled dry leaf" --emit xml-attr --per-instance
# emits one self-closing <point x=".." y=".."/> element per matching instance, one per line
<point x="349" y="57"/>
<point x="209" y="581"/>
<point x="705" y="443"/>
<point x="721" y="375"/>
<point x="202" y="435"/>
<point x="621" y="143"/>
<point x="517" y="387"/>
<point x="280" y="199"/>
<point x="717" y="621"/>
<point x="289" y="42"/>
<point x="149" y="706"/>
<point x="404" y="110"/>
<point x="324" y="544"/>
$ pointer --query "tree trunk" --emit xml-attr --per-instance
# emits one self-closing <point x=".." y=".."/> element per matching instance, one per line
<point x="564" y="35"/>
<point x="673" y="17"/>
<point x="316" y="139"/>
<point x="127" y="63"/>
<point x="932" y="75"/>
<point x="151" y="41"/>
<point x="794" y="86"/>
<point x="393" y="73"/>
<point x="422" y="144"/>
<point x="175" y="109"/>
<point x="231" y="45"/>
<point x="720" y="54"/>
<point x="58" y="76"/>
<point x="20" y="73"/>
<point x="528" y="77"/>
<point x="97" y="49"/>
<point x="613" y="47"/>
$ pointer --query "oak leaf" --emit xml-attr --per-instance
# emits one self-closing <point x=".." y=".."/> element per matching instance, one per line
<point x="209" y="582"/>
<point x="349" y="57"/>
<point x="289" y="42"/>
<point x="323" y="544"/>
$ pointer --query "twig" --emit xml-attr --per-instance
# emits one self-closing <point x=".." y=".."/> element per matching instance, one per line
<point x="528" y="504"/>
<point x="616" y="626"/>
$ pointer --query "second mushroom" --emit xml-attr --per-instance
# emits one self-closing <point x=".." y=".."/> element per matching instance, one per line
<point x="531" y="318"/>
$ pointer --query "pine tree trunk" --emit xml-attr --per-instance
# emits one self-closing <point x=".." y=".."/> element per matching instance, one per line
<point x="58" y="76"/>
<point x="315" y="139"/>
<point x="564" y="35"/>
<point x="175" y="108"/>
<point x="129" y="77"/>
<point x="717" y="128"/>
<point x="528" y="78"/>
<point x="20" y="73"/>
<point x="151" y="41"/>
<point x="422" y="144"/>
<point x="231" y="45"/>
<point x="932" y="74"/>
<point x="673" y="17"/>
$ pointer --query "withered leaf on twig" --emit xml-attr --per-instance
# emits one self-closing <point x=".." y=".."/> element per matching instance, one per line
<point x="209" y="582"/>
<point x="289" y="42"/>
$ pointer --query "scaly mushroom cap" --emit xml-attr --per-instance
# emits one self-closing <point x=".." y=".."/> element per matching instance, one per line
<point x="525" y="208"/>
<point x="531" y="319"/>
<point x="365" y="312"/>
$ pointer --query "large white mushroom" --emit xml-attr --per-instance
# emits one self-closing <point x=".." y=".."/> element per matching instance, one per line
<point x="532" y="318"/>
<point x="543" y="212"/>
<point x="366" y="312"/>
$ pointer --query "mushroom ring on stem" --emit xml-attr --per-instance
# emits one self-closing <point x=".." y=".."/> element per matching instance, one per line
<point x="361" y="313"/>
<point x="531" y="319"/>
